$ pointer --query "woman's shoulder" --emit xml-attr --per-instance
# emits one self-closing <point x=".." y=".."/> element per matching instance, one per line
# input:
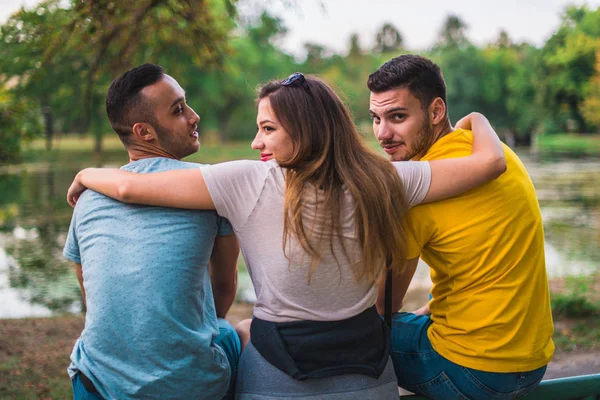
<point x="247" y="166"/>
<point x="244" y="171"/>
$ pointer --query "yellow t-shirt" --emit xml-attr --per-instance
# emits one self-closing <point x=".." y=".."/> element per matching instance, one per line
<point x="491" y="305"/>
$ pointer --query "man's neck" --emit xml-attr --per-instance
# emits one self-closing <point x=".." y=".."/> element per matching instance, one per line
<point x="438" y="132"/>
<point x="141" y="150"/>
<point x="443" y="130"/>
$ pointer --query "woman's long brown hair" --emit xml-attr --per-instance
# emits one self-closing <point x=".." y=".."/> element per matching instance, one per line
<point x="331" y="157"/>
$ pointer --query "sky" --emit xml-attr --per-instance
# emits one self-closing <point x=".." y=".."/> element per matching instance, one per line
<point x="331" y="22"/>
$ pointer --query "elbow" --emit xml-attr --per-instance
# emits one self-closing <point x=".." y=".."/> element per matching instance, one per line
<point x="124" y="191"/>
<point x="225" y="289"/>
<point x="497" y="166"/>
<point x="396" y="306"/>
<point x="226" y="285"/>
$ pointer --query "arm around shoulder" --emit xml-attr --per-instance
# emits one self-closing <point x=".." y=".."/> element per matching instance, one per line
<point x="184" y="188"/>
<point x="454" y="176"/>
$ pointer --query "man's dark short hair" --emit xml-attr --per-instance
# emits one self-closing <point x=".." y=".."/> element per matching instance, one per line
<point x="125" y="105"/>
<point x="421" y="76"/>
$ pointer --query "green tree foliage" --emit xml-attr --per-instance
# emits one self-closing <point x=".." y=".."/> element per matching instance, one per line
<point x="59" y="58"/>
<point x="18" y="123"/>
<point x="568" y="64"/>
<point x="591" y="103"/>
<point x="463" y="66"/>
<point x="66" y="55"/>
<point x="523" y="99"/>
<point x="464" y="70"/>
<point x="226" y="94"/>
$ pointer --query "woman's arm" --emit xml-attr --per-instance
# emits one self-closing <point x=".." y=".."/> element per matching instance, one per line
<point x="183" y="188"/>
<point x="453" y="176"/>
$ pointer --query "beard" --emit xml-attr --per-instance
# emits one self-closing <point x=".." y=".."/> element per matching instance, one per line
<point x="422" y="141"/>
<point x="174" y="144"/>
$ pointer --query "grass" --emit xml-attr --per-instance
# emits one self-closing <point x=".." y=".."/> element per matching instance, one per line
<point x="569" y="143"/>
<point x="577" y="334"/>
<point x="34" y="354"/>
<point x="78" y="150"/>
<point x="576" y="309"/>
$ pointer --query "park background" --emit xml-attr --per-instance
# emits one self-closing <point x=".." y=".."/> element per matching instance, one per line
<point x="58" y="57"/>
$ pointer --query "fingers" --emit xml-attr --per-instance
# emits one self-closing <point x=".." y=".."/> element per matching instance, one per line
<point x="72" y="200"/>
<point x="73" y="195"/>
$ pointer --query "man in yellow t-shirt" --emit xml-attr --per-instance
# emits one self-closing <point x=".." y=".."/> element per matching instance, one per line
<point x="487" y="331"/>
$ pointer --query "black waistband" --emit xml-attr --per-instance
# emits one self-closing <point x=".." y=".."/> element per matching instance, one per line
<point x="87" y="383"/>
<point x="319" y="349"/>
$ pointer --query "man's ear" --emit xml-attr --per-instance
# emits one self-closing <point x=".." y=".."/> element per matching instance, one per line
<point x="144" y="131"/>
<point x="437" y="111"/>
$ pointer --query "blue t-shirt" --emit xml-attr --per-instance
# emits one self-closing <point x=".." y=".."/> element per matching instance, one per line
<point x="151" y="319"/>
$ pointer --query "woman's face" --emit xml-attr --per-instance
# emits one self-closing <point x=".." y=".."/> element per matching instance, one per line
<point x="272" y="140"/>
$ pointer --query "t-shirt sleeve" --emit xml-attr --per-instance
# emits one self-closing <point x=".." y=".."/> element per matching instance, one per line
<point x="71" y="249"/>
<point x="411" y="231"/>
<point x="235" y="188"/>
<point x="416" y="177"/>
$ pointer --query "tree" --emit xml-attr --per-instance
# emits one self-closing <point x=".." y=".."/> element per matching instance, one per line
<point x="315" y="55"/>
<point x="523" y="101"/>
<point x="23" y="40"/>
<point x="591" y="102"/>
<point x="568" y="65"/>
<point x="225" y="95"/>
<point x="453" y="33"/>
<point x="354" y="50"/>
<point x="503" y="40"/>
<point x="388" y="39"/>
<point x="87" y="43"/>
<point x="464" y="71"/>
<point x="18" y="122"/>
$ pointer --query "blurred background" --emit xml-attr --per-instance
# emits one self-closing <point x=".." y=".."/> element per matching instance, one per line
<point x="531" y="66"/>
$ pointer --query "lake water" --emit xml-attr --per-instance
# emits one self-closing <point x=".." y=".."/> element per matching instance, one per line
<point x="35" y="280"/>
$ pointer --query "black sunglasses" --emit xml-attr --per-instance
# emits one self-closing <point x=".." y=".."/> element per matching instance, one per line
<point x="296" y="79"/>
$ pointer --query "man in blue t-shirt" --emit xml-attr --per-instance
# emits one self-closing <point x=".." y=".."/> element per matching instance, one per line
<point x="152" y="329"/>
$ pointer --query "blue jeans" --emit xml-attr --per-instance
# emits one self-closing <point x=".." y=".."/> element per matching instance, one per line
<point x="227" y="339"/>
<point x="420" y="369"/>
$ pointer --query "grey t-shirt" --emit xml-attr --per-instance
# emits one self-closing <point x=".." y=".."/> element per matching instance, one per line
<point x="250" y="194"/>
<point x="150" y="320"/>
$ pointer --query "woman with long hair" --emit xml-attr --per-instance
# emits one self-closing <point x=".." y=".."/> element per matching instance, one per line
<point x="316" y="223"/>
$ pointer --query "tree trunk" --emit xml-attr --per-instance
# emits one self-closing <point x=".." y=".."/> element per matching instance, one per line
<point x="577" y="116"/>
<point x="223" y="128"/>
<point x="49" y="126"/>
<point x="98" y="143"/>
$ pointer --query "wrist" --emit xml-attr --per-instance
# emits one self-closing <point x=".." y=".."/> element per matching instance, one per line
<point x="81" y="176"/>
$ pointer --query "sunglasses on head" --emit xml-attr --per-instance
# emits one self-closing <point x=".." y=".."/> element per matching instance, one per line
<point x="295" y="79"/>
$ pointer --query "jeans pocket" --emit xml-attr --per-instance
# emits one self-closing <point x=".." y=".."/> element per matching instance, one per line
<point x="506" y="385"/>
<point x="529" y="388"/>
<point x="439" y="388"/>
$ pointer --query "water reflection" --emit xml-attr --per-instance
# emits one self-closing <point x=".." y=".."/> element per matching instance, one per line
<point x="35" y="280"/>
<point x="33" y="223"/>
